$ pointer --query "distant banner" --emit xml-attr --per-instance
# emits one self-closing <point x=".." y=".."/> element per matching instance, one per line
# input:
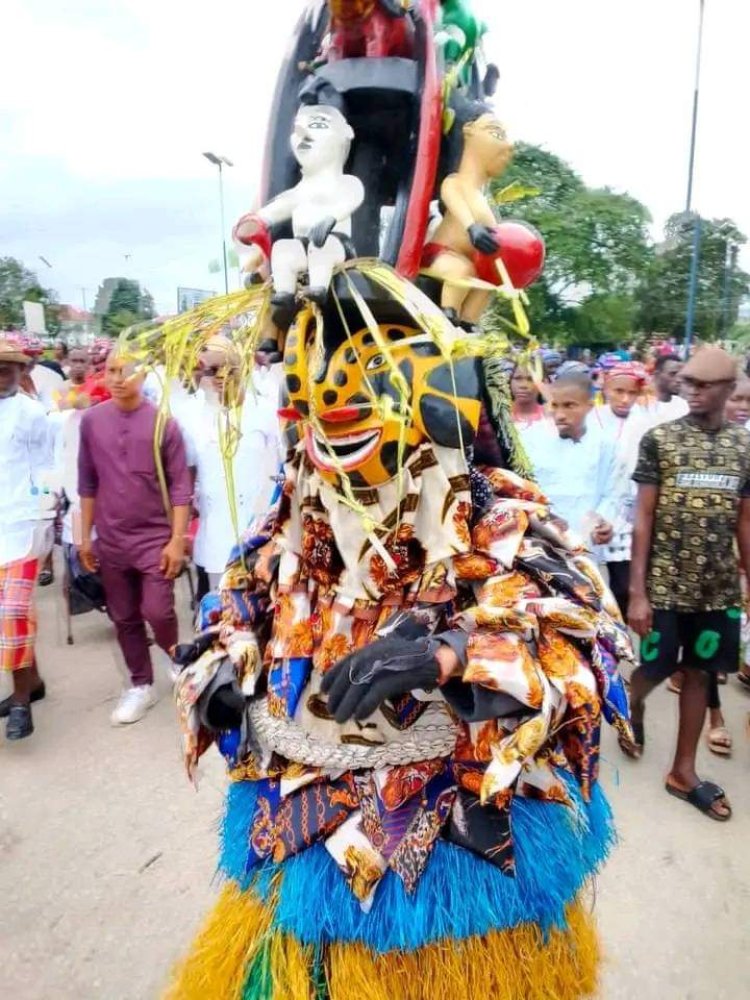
<point x="33" y="313"/>
<point x="189" y="298"/>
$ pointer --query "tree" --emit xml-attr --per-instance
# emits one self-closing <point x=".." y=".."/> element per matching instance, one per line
<point x="597" y="249"/>
<point x="120" y="302"/>
<point x="18" y="285"/>
<point x="740" y="333"/>
<point x="721" y="286"/>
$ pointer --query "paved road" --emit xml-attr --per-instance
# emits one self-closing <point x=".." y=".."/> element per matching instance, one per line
<point x="107" y="853"/>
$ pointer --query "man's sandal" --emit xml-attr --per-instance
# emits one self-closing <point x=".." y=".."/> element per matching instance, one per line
<point x="703" y="797"/>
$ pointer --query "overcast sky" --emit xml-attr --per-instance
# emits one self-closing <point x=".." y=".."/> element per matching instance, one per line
<point x="107" y="105"/>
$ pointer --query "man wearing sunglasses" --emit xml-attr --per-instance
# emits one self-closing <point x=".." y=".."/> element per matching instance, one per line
<point x="693" y="478"/>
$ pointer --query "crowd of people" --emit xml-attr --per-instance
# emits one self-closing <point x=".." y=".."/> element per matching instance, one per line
<point x="650" y="467"/>
<point x="78" y="451"/>
<point x="647" y="464"/>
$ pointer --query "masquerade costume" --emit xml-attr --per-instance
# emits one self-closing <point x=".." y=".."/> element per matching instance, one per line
<point x="394" y="829"/>
<point x="374" y="814"/>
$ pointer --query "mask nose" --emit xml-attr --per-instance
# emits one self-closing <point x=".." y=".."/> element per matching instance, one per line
<point x="343" y="414"/>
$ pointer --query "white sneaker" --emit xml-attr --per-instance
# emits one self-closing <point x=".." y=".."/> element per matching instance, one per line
<point x="133" y="705"/>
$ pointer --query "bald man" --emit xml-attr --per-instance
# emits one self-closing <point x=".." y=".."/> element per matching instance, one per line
<point x="693" y="478"/>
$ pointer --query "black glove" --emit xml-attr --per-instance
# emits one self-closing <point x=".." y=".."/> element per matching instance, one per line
<point x="225" y="708"/>
<point x="483" y="239"/>
<point x="321" y="231"/>
<point x="188" y="652"/>
<point x="386" y="669"/>
<point x="221" y="705"/>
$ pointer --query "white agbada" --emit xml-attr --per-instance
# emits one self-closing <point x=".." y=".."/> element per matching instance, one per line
<point x="49" y="386"/>
<point x="625" y="433"/>
<point x="657" y="412"/>
<point x="63" y="477"/>
<point x="255" y="464"/>
<point x="25" y="455"/>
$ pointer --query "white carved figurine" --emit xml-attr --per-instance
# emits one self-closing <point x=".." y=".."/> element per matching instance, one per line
<point x="320" y="208"/>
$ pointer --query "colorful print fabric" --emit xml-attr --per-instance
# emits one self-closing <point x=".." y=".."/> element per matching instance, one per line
<point x="541" y="639"/>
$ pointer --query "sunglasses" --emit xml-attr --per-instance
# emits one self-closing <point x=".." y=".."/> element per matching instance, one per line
<point x="700" y="384"/>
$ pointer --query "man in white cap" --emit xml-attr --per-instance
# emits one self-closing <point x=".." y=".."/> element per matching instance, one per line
<point x="25" y="451"/>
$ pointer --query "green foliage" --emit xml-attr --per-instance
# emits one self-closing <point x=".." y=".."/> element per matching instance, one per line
<point x="18" y="285"/>
<point x="597" y="249"/>
<point x="120" y="302"/>
<point x="740" y="334"/>
<point x="603" y="320"/>
<point x="662" y="297"/>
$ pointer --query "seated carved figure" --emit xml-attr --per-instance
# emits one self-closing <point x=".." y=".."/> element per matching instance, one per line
<point x="464" y="245"/>
<point x="320" y="208"/>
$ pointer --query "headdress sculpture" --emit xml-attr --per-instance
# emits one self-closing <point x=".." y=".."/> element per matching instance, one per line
<point x="411" y="661"/>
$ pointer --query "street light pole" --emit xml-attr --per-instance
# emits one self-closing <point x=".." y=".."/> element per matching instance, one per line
<point x="221" y="162"/>
<point x="696" y="94"/>
<point x="693" y="283"/>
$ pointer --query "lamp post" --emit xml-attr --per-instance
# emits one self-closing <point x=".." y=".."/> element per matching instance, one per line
<point x="693" y="283"/>
<point x="221" y="162"/>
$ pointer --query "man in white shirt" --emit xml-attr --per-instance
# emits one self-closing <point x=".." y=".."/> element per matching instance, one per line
<point x="25" y="452"/>
<point x="623" y="423"/>
<point x="574" y="463"/>
<point x="253" y="466"/>
<point x="668" y="405"/>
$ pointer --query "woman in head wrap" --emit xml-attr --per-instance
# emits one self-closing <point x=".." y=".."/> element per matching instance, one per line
<point x="527" y="401"/>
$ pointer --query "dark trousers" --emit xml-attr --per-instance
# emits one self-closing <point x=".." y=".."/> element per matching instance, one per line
<point x="619" y="584"/>
<point x="137" y="593"/>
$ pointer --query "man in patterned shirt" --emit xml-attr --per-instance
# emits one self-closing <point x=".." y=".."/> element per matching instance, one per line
<point x="693" y="478"/>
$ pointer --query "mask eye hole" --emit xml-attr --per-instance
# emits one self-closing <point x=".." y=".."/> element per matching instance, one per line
<point x="377" y="361"/>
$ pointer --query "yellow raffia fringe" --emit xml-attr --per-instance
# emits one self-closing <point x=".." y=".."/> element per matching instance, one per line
<point x="503" y="965"/>
<point x="518" y="964"/>
<point x="222" y="951"/>
<point x="291" y="963"/>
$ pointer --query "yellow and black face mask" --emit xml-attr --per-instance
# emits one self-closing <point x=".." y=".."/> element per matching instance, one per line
<point x="363" y="407"/>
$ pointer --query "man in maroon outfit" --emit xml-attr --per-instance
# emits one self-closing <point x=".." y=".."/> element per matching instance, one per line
<point x="140" y="537"/>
